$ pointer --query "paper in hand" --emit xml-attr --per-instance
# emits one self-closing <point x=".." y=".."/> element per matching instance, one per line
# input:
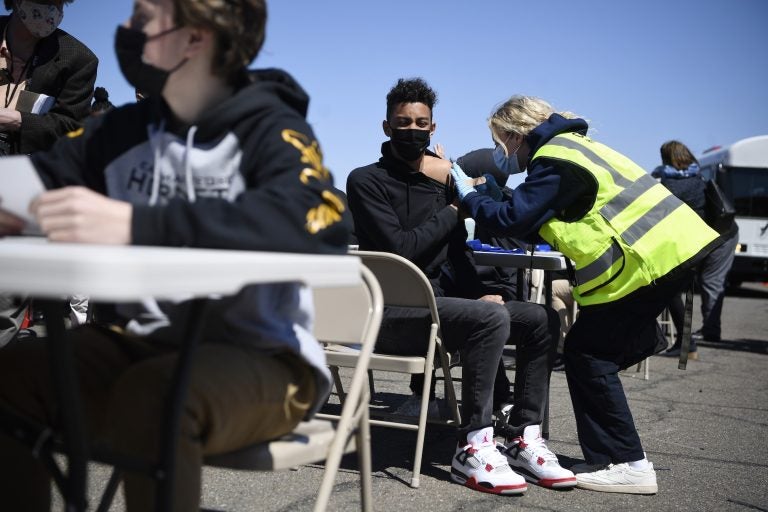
<point x="34" y="103"/>
<point x="19" y="185"/>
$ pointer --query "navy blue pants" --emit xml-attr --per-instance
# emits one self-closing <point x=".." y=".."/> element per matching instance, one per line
<point x="604" y="340"/>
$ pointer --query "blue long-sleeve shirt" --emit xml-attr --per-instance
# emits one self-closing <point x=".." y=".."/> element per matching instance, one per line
<point x="552" y="188"/>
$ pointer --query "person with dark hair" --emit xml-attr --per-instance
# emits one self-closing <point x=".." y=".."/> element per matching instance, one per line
<point x="679" y="172"/>
<point x="404" y="204"/>
<point x="205" y="161"/>
<point x="47" y="77"/>
<point x="101" y="103"/>
<point x="633" y="245"/>
<point x="46" y="82"/>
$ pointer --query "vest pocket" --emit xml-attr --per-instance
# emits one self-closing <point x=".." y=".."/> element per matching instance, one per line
<point x="600" y="266"/>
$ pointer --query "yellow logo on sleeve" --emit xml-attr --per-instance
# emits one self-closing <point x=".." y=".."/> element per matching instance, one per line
<point x="310" y="155"/>
<point x="75" y="133"/>
<point x="330" y="210"/>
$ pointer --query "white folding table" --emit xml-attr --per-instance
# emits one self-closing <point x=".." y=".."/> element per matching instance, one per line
<point x="544" y="260"/>
<point x="49" y="272"/>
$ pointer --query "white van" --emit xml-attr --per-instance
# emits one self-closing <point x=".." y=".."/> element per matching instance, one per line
<point x="741" y="171"/>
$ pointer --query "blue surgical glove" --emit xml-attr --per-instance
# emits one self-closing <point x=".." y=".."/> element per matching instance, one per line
<point x="463" y="182"/>
<point x="490" y="188"/>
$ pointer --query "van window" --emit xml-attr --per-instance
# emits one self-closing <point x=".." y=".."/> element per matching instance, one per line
<point x="748" y="189"/>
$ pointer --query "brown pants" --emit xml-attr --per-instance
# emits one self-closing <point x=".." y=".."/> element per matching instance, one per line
<point x="237" y="396"/>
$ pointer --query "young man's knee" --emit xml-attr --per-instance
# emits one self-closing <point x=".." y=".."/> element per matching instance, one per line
<point x="547" y="321"/>
<point x="494" y="315"/>
<point x="542" y="327"/>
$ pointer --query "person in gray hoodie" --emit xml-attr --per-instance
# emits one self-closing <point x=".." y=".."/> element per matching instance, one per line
<point x="216" y="157"/>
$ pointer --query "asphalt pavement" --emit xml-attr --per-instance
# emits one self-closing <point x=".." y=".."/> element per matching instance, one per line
<point x="703" y="428"/>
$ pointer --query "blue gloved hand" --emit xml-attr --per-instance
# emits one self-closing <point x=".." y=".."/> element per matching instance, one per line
<point x="463" y="182"/>
<point x="490" y="188"/>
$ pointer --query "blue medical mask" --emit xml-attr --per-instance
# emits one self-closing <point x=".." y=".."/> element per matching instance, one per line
<point x="506" y="164"/>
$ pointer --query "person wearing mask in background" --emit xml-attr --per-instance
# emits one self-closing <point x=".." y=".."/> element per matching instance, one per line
<point x="46" y="84"/>
<point x="206" y="161"/>
<point x="633" y="244"/>
<point x="403" y="204"/>
<point x="679" y="172"/>
<point x="46" y="80"/>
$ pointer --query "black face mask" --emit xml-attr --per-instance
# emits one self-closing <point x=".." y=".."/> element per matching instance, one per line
<point x="129" y="47"/>
<point x="409" y="143"/>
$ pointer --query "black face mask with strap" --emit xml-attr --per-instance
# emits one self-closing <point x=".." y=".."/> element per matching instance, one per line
<point x="129" y="48"/>
<point x="409" y="143"/>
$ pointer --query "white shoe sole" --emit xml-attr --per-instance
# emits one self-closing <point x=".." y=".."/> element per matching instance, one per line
<point x="505" y="490"/>
<point x="549" y="483"/>
<point x="621" y="488"/>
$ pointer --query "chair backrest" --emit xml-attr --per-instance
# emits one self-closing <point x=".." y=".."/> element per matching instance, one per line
<point x="402" y="283"/>
<point x="341" y="313"/>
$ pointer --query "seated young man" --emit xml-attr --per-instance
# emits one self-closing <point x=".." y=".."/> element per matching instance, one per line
<point x="205" y="161"/>
<point x="403" y="204"/>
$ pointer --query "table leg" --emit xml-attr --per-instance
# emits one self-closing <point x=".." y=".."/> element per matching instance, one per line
<point x="66" y="382"/>
<point x="548" y="288"/>
<point x="176" y="397"/>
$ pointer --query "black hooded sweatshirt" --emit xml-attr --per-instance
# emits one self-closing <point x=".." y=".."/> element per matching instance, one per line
<point x="248" y="175"/>
<point x="402" y="211"/>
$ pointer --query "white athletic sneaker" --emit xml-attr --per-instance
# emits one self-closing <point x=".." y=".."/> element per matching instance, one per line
<point x="529" y="456"/>
<point x="583" y="467"/>
<point x="620" y="478"/>
<point x="480" y="466"/>
<point x="412" y="406"/>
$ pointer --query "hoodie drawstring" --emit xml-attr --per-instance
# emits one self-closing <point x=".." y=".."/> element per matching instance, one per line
<point x="155" y="142"/>
<point x="188" y="164"/>
<point x="154" y="135"/>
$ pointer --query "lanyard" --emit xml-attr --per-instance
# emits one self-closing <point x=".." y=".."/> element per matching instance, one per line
<point x="11" y="93"/>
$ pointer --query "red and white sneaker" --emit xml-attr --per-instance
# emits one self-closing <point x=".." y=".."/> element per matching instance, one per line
<point x="481" y="467"/>
<point x="529" y="456"/>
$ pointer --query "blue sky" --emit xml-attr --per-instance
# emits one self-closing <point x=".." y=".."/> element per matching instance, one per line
<point x="641" y="72"/>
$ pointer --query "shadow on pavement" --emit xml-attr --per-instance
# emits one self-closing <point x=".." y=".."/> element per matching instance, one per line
<point x="740" y="345"/>
<point x="750" y="291"/>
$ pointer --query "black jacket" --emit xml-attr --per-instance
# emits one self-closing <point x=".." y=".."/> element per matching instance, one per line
<point x="399" y="210"/>
<point x="248" y="176"/>
<point x="256" y="172"/>
<point x="65" y="69"/>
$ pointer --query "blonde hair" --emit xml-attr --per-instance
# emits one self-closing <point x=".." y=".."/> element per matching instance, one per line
<point x="521" y="114"/>
<point x="239" y="26"/>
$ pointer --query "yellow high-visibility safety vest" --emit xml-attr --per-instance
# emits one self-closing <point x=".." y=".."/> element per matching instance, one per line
<point x="635" y="232"/>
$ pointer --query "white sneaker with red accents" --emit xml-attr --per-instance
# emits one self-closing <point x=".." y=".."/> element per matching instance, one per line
<point x="481" y="467"/>
<point x="529" y="456"/>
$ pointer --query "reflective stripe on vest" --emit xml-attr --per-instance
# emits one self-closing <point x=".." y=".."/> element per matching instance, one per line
<point x="600" y="265"/>
<point x="636" y="231"/>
